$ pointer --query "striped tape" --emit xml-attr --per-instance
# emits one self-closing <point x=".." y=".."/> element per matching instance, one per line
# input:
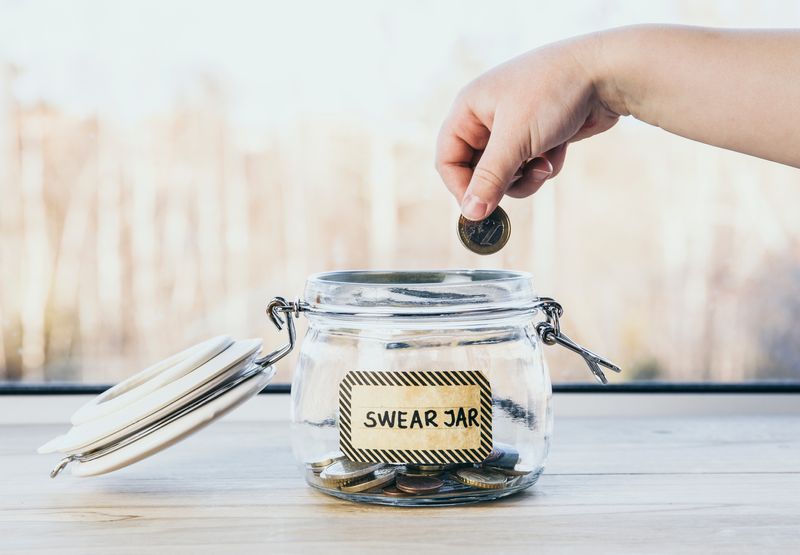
<point x="442" y="380"/>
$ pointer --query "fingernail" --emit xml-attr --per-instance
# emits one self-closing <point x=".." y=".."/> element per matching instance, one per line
<point x="541" y="168"/>
<point x="473" y="208"/>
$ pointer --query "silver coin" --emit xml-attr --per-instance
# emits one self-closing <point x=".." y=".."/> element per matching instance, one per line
<point x="320" y="463"/>
<point x="518" y="470"/>
<point x="346" y="470"/>
<point x="380" y="478"/>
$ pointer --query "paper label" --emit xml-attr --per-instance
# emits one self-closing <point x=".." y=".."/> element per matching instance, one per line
<point x="415" y="417"/>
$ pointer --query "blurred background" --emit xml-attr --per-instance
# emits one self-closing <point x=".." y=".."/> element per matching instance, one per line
<point x="168" y="167"/>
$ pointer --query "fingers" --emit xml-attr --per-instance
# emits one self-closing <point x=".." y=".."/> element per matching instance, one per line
<point x="556" y="156"/>
<point x="502" y="157"/>
<point x="537" y="171"/>
<point x="460" y="143"/>
<point x="534" y="174"/>
<point x="453" y="162"/>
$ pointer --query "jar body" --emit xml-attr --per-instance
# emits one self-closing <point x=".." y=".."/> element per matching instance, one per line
<point x="506" y="350"/>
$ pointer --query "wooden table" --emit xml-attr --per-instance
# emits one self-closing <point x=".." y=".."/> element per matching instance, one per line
<point x="657" y="484"/>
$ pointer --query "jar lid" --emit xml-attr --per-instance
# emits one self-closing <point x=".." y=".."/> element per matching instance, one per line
<point x="161" y="405"/>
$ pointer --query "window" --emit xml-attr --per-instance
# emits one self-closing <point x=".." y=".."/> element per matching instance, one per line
<point x="166" y="168"/>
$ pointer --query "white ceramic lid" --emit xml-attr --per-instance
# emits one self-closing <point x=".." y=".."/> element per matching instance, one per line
<point x="161" y="405"/>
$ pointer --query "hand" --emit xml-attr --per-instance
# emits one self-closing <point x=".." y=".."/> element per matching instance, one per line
<point x="508" y="130"/>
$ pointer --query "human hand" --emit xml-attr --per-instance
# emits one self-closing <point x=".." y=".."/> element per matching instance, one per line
<point x="508" y="130"/>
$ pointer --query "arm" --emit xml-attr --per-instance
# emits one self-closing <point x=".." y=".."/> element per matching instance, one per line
<point x="508" y="130"/>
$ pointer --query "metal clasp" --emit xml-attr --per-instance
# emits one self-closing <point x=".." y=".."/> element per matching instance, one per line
<point x="550" y="333"/>
<point x="274" y="308"/>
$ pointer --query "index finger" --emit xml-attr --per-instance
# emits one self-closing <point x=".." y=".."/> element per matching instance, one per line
<point x="461" y="138"/>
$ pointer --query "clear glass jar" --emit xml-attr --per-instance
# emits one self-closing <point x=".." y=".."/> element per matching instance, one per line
<point x="416" y="339"/>
<point x="412" y="388"/>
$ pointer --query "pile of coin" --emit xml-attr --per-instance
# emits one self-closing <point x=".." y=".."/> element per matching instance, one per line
<point x="501" y="469"/>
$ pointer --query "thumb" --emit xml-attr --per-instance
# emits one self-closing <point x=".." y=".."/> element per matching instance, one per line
<point x="492" y="175"/>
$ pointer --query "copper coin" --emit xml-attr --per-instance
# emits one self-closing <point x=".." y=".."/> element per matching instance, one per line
<point x="392" y="491"/>
<point x="419" y="485"/>
<point x="486" y="236"/>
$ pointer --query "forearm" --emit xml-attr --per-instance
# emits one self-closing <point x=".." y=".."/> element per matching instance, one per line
<point x="734" y="89"/>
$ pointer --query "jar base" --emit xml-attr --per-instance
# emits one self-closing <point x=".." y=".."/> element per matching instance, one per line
<point x="458" y="497"/>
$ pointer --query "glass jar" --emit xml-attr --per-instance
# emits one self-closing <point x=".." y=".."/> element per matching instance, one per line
<point x="424" y="388"/>
<point x="412" y="388"/>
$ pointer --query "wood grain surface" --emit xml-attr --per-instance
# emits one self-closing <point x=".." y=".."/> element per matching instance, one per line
<point x="613" y="485"/>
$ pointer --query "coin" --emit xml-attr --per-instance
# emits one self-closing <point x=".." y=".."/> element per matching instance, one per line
<point x="419" y="485"/>
<point x="313" y="479"/>
<point x="392" y="491"/>
<point x="486" y="236"/>
<point x="493" y="456"/>
<point x="502" y="455"/>
<point x="379" y="478"/>
<point x="518" y="470"/>
<point x="324" y="461"/>
<point x="480" y="478"/>
<point x="430" y="467"/>
<point x="423" y="470"/>
<point x="346" y="470"/>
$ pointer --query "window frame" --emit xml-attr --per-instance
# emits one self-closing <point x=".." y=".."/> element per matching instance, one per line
<point x="755" y="387"/>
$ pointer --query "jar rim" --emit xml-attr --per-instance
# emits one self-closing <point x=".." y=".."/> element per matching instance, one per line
<point x="430" y="278"/>
<point x="431" y="293"/>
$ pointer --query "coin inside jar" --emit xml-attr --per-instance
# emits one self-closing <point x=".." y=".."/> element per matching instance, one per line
<point x="392" y="491"/>
<point x="486" y="236"/>
<point x="503" y="456"/>
<point x="518" y="470"/>
<point x="419" y="485"/>
<point x="430" y="467"/>
<point x="323" y="461"/>
<point x="424" y="470"/>
<point x="346" y="470"/>
<point x="380" y="477"/>
<point x="480" y="478"/>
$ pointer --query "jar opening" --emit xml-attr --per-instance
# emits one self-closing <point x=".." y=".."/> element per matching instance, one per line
<point x="441" y="292"/>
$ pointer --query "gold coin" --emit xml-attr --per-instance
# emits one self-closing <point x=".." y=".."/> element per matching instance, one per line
<point x="414" y="470"/>
<point x="381" y="477"/>
<point x="480" y="478"/>
<point x="345" y="471"/>
<point x="324" y="461"/>
<point x="486" y="236"/>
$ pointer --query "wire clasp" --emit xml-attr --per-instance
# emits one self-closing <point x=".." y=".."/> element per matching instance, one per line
<point x="550" y="333"/>
<point x="275" y="307"/>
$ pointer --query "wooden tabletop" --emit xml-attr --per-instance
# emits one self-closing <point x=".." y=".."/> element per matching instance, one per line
<point x="623" y="485"/>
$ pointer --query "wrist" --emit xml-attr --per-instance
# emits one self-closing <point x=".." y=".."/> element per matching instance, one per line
<point x="606" y="55"/>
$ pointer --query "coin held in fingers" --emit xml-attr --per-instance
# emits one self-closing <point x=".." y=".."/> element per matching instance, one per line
<point x="486" y="236"/>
